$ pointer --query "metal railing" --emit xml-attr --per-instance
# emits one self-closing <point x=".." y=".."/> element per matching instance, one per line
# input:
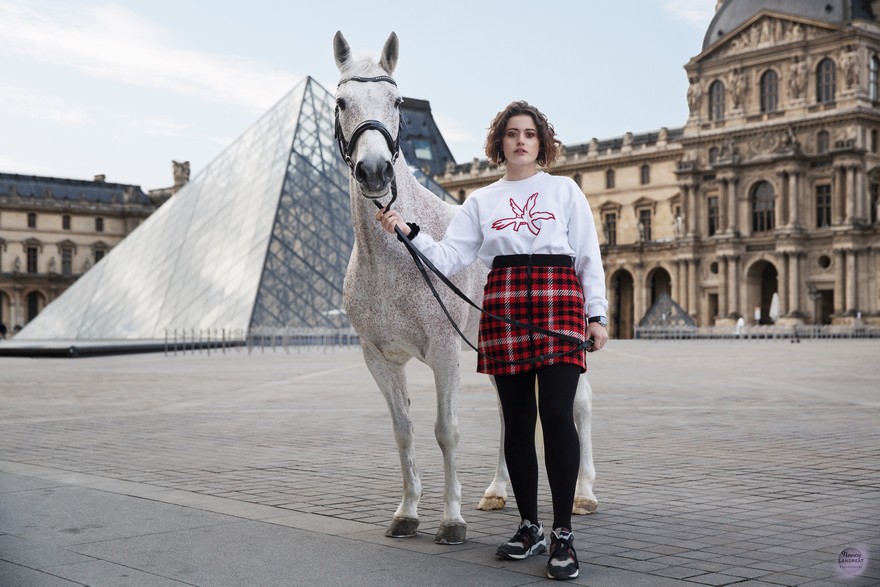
<point x="756" y="332"/>
<point x="223" y="340"/>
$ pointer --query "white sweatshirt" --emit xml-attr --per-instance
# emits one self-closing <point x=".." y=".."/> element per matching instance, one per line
<point x="542" y="214"/>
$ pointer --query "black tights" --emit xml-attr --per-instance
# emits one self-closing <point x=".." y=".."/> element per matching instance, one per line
<point x="557" y="385"/>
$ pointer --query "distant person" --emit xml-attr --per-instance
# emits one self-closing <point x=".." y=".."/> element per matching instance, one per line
<point x="2" y="331"/>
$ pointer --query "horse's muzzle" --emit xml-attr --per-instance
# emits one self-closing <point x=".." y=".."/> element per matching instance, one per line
<point x="374" y="176"/>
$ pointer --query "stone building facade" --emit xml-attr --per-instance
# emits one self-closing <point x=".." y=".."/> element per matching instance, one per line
<point x="764" y="205"/>
<point x="52" y="231"/>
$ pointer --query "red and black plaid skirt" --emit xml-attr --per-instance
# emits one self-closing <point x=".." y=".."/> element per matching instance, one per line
<point x="546" y="295"/>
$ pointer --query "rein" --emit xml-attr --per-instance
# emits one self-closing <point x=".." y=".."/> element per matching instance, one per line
<point x="346" y="148"/>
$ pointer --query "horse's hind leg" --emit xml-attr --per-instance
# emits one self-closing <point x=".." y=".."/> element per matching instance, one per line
<point x="453" y="529"/>
<point x="391" y="379"/>
<point x="495" y="496"/>
<point x="584" y="500"/>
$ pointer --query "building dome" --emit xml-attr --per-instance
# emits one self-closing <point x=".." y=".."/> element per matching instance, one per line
<point x="732" y="13"/>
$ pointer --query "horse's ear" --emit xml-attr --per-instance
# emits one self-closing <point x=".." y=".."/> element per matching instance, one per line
<point x="341" y="50"/>
<point x="389" y="54"/>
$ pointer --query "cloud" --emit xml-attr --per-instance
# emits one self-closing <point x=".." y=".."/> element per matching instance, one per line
<point x="157" y="127"/>
<point x="28" y="103"/>
<point x="697" y="13"/>
<point x="112" y="43"/>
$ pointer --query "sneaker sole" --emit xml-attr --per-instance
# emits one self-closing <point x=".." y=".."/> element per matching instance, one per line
<point x="563" y="577"/>
<point x="537" y="549"/>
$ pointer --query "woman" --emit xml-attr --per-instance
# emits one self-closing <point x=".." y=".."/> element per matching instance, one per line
<point x="536" y="232"/>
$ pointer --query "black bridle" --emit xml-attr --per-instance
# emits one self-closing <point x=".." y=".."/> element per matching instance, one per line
<point x="346" y="147"/>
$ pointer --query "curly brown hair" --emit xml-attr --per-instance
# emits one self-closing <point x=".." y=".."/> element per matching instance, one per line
<point x="549" y="143"/>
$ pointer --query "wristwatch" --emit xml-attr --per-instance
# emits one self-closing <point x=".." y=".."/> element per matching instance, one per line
<point x="602" y="320"/>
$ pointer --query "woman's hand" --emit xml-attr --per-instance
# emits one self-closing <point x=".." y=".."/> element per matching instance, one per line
<point x="389" y="220"/>
<point x="599" y="335"/>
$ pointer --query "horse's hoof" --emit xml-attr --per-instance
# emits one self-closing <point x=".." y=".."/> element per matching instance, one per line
<point x="492" y="502"/>
<point x="451" y="533"/>
<point x="402" y="528"/>
<point x="584" y="506"/>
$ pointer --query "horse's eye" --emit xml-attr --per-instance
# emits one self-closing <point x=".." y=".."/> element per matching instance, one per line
<point x="340" y="103"/>
<point x="398" y="102"/>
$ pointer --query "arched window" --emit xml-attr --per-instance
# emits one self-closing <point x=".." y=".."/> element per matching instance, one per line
<point x="822" y="140"/>
<point x="769" y="91"/>
<point x="874" y="78"/>
<point x="716" y="101"/>
<point x="826" y="81"/>
<point x="763" y="207"/>
<point x="609" y="179"/>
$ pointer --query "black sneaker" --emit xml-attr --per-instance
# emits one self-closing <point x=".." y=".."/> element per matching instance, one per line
<point x="563" y="563"/>
<point x="528" y="540"/>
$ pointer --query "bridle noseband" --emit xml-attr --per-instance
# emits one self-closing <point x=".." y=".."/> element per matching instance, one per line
<point x="346" y="147"/>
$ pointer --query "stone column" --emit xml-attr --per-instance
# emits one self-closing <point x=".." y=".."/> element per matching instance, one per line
<point x="732" y="220"/>
<point x="679" y="278"/>
<point x="782" y="282"/>
<point x="837" y="196"/>
<point x="851" y="292"/>
<point x="692" y="287"/>
<point x="732" y="281"/>
<point x="639" y="295"/>
<point x="860" y="194"/>
<point x="691" y="219"/>
<point x="793" y="198"/>
<point x="850" y="194"/>
<point x="794" y="282"/>
<point x="723" y="309"/>
<point x="839" y="284"/>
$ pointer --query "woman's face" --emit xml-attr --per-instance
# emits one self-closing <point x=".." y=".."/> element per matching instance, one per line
<point x="521" y="143"/>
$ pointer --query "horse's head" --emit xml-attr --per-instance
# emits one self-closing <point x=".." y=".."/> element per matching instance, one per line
<point x="368" y="116"/>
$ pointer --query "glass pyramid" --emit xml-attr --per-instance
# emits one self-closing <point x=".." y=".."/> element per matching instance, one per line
<point x="259" y="240"/>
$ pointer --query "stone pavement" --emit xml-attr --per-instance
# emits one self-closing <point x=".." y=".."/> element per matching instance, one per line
<point x="748" y="463"/>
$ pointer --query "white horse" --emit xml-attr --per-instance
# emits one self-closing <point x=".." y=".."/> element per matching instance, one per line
<point x="394" y="313"/>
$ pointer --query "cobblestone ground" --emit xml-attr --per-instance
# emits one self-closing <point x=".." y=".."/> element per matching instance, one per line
<point x="746" y="463"/>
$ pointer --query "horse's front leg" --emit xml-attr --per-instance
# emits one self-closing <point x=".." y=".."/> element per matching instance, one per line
<point x="584" y="500"/>
<point x="391" y="379"/>
<point x="495" y="496"/>
<point x="453" y="528"/>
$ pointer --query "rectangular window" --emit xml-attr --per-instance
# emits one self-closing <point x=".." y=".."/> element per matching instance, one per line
<point x="65" y="222"/>
<point x="646" y="174"/>
<point x="32" y="259"/>
<point x="645" y="225"/>
<point x="32" y="220"/>
<point x="611" y="229"/>
<point x="609" y="179"/>
<point x="99" y="224"/>
<point x="712" y="209"/>
<point x="823" y="206"/>
<point x="66" y="261"/>
<point x="99" y="254"/>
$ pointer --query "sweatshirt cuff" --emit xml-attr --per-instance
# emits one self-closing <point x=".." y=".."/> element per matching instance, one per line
<point x="413" y="231"/>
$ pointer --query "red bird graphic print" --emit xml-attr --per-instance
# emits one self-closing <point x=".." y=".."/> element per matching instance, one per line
<point x="525" y="216"/>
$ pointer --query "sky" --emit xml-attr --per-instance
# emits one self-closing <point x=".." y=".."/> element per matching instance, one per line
<point x="123" y="88"/>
